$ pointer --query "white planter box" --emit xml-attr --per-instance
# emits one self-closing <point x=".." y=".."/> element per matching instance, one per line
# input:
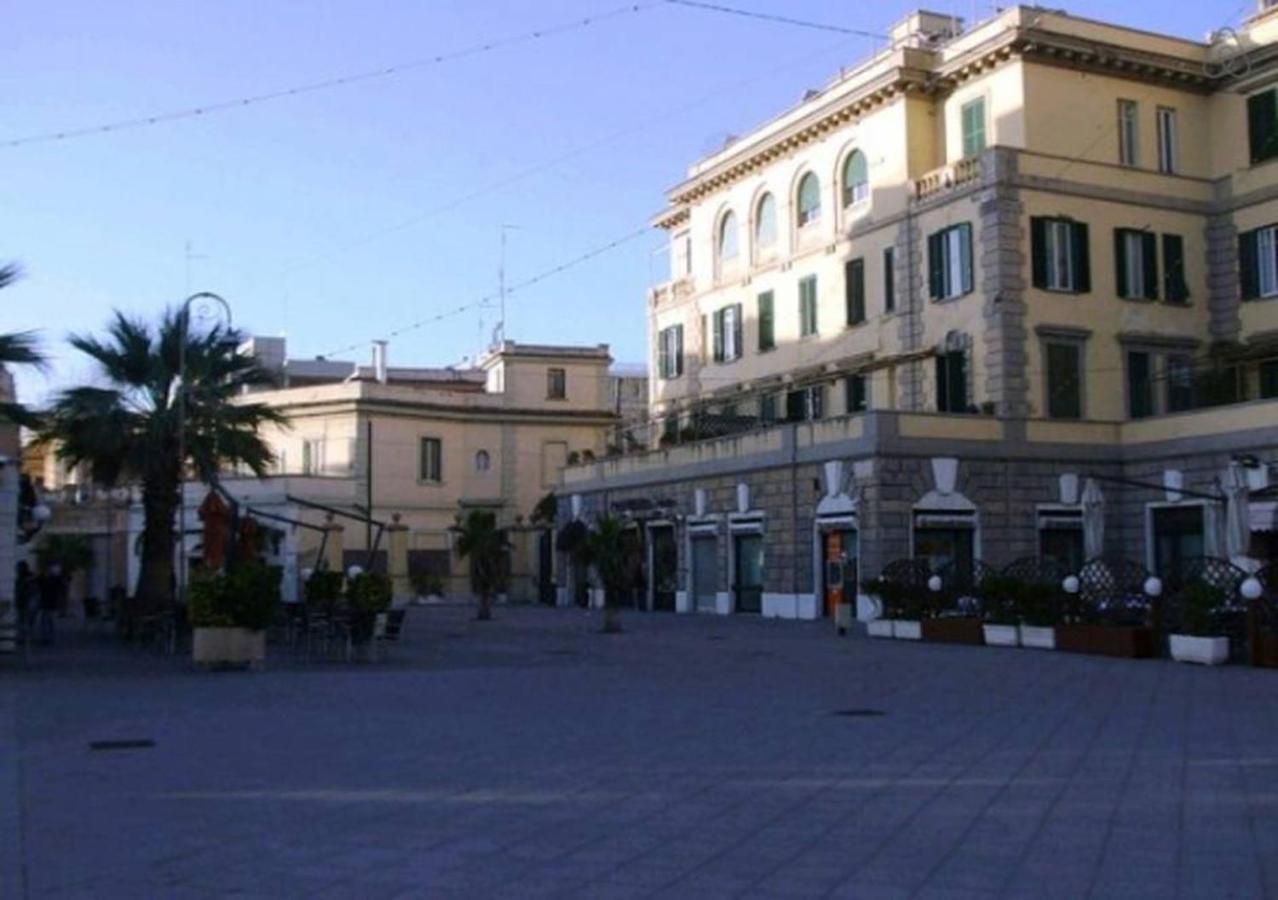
<point x="1207" y="651"/>
<point x="1038" y="638"/>
<point x="228" y="647"/>
<point x="879" y="628"/>
<point x="907" y="630"/>
<point x="1001" y="635"/>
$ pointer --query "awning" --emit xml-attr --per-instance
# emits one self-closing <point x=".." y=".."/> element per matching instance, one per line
<point x="1264" y="516"/>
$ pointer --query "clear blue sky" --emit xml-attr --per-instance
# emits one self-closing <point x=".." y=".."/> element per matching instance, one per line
<point x="290" y="205"/>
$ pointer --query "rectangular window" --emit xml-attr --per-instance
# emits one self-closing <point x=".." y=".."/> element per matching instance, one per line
<point x="670" y="352"/>
<point x="949" y="260"/>
<point x="1128" y="133"/>
<point x="889" y="280"/>
<point x="768" y="408"/>
<point x="973" y="122"/>
<point x="805" y="404"/>
<point x="1136" y="264"/>
<point x="1180" y="383"/>
<point x="556" y="384"/>
<point x="767" y="322"/>
<point x="1140" y="388"/>
<point x="1059" y="255"/>
<point x="856" y="393"/>
<point x="1064" y="381"/>
<point x="1258" y="262"/>
<point x="808" y="306"/>
<point x="432" y="463"/>
<point x="1262" y="125"/>
<point x="669" y="429"/>
<point x="1175" y="288"/>
<point x="313" y="457"/>
<point x="854" y="290"/>
<point x="727" y="333"/>
<point x="951" y="382"/>
<point x="1269" y="379"/>
<point x="1167" y="155"/>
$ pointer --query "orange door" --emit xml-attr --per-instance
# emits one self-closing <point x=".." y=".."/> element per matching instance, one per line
<point x="833" y="571"/>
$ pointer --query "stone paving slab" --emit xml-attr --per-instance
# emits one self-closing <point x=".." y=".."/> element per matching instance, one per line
<point x="690" y="757"/>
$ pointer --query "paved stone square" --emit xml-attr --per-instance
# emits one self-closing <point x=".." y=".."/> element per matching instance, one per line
<point x="690" y="757"/>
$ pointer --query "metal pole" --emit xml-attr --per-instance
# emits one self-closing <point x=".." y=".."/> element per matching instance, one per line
<point x="184" y="316"/>
<point x="368" y="496"/>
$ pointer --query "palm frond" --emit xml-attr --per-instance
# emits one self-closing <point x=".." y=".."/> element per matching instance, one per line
<point x="21" y="349"/>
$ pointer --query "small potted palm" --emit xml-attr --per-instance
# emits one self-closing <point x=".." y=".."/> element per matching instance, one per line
<point x="484" y="544"/>
<point x="609" y="556"/>
<point x="230" y="614"/>
<point x="1198" y="638"/>
<point x="368" y="594"/>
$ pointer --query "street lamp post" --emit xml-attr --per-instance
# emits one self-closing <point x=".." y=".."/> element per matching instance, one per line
<point x="184" y="314"/>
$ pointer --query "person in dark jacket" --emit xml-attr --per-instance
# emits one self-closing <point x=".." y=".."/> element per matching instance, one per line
<point x="24" y="596"/>
<point x="52" y="588"/>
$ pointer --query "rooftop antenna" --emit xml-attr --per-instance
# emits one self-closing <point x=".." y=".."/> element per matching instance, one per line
<point x="188" y="256"/>
<point x="499" y="333"/>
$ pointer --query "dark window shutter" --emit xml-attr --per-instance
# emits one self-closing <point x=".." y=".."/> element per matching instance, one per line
<point x="1149" y="254"/>
<point x="965" y="248"/>
<point x="1249" y="264"/>
<point x="942" y="394"/>
<point x="1174" y="268"/>
<point x="766" y="339"/>
<point x="854" y="288"/>
<point x="1038" y="251"/>
<point x="958" y="381"/>
<point x="678" y="350"/>
<point x="1082" y="259"/>
<point x="737" y="321"/>
<point x="935" y="265"/>
<point x="1120" y="261"/>
<point x="718" y="336"/>
<point x="663" y="354"/>
<point x="1262" y="125"/>
<point x="889" y="279"/>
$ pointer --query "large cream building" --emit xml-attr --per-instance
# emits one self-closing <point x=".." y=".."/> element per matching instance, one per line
<point x="972" y="279"/>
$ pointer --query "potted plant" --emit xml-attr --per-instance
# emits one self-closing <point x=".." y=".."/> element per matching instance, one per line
<point x="429" y="587"/>
<point x="1198" y="638"/>
<point x="883" y="595"/>
<point x="1038" y="615"/>
<point x="367" y="595"/>
<point x="230" y="614"/>
<point x="952" y="617"/>
<point x="1001" y="610"/>
<point x="908" y="609"/>
<point x="322" y="591"/>
<point x="484" y="544"/>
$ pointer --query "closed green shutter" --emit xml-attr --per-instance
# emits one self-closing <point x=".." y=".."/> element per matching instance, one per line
<point x="965" y="255"/>
<point x="663" y="353"/>
<point x="678" y="350"/>
<point x="1262" y="125"/>
<point x="738" y="347"/>
<point x="1063" y="382"/>
<point x="1269" y="379"/>
<point x="1249" y="264"/>
<point x="1120" y="261"/>
<point x="935" y="265"/>
<point x="942" y="385"/>
<point x="889" y="280"/>
<point x="767" y="339"/>
<point x="1038" y="251"/>
<point x="854" y="290"/>
<point x="718" y="336"/>
<point x="1177" y="291"/>
<point x="1082" y="258"/>
<point x="1149" y="259"/>
<point x="958" y="381"/>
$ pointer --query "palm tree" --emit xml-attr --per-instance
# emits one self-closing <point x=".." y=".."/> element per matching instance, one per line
<point x="607" y="551"/>
<point x="19" y="349"/>
<point x="129" y="430"/>
<point x="484" y="544"/>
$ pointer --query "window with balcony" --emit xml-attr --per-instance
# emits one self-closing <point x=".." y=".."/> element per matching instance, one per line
<point x="856" y="179"/>
<point x="808" y="306"/>
<point x="808" y="200"/>
<point x="854" y="290"/>
<point x="727" y="333"/>
<point x="670" y="352"/>
<point x="727" y="239"/>
<point x="1064" y="380"/>
<point x="1269" y="379"/>
<point x="431" y="460"/>
<point x="767" y="322"/>
<point x="805" y="404"/>
<point x="1168" y="155"/>
<point x="1128" y="133"/>
<point x="556" y="384"/>
<point x="1180" y="383"/>
<point x="972" y="115"/>
<point x="951" y="381"/>
<point x="1258" y="262"/>
<point x="889" y="280"/>
<point x="1175" y="287"/>
<point x="1262" y="125"/>
<point x="949" y="262"/>
<point x="1059" y="255"/>
<point x="856" y="393"/>
<point x="765" y="222"/>
<point x="1140" y="385"/>
<point x="681" y="255"/>
<point x="1136" y="264"/>
<point x="313" y="456"/>
<point x="768" y="408"/>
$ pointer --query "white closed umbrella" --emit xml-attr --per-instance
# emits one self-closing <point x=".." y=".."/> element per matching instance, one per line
<point x="1233" y="483"/>
<point x="1093" y="520"/>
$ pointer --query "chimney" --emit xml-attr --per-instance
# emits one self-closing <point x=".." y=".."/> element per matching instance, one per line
<point x="379" y="361"/>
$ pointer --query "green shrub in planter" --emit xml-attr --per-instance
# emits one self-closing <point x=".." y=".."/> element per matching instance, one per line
<point x="367" y="594"/>
<point x="247" y="596"/>
<point x="1002" y="597"/>
<point x="1200" y="602"/>
<point x="206" y="605"/>
<point x="323" y="590"/>
<point x="898" y="601"/>
<point x="1037" y="605"/>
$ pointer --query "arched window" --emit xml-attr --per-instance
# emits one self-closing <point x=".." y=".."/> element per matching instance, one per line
<point x="482" y="461"/>
<point x="728" y="237"/>
<point x="809" y="199"/>
<point x="765" y="221"/>
<point x="856" y="179"/>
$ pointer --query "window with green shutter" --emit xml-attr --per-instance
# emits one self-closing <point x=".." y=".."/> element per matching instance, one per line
<point x="1262" y="125"/>
<point x="1059" y="253"/>
<point x="856" y="393"/>
<point x="949" y="262"/>
<point x="808" y="306"/>
<point x="1064" y="381"/>
<point x="951" y="382"/>
<point x="768" y="408"/>
<point x="1258" y="262"/>
<point x="1269" y="379"/>
<point x="973" y="125"/>
<point x="1140" y="387"/>
<point x="1180" y="383"/>
<point x="1175" y="288"/>
<point x="889" y="280"/>
<point x="767" y="322"/>
<point x="1136" y="264"/>
<point x="854" y="290"/>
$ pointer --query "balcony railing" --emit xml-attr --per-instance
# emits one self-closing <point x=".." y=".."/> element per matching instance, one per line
<point x="671" y="291"/>
<point x="948" y="177"/>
